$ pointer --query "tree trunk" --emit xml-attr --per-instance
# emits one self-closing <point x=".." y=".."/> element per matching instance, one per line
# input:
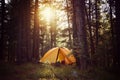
<point x="112" y="29"/>
<point x="23" y="36"/>
<point x="69" y="30"/>
<point x="53" y="31"/>
<point x="89" y="21"/>
<point x="13" y="26"/>
<point x="2" y="46"/>
<point x="79" y="25"/>
<point x="97" y="21"/>
<point x="27" y="38"/>
<point x="36" y="33"/>
<point x="19" y="53"/>
<point x="117" y="35"/>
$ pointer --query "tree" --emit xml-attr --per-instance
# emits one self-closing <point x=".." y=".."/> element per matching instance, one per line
<point x="27" y="24"/>
<point x="117" y="34"/>
<point x="90" y="30"/>
<point x="36" y="32"/>
<point x="79" y="33"/>
<point x="2" y="31"/>
<point x="23" y="35"/>
<point x="68" y="5"/>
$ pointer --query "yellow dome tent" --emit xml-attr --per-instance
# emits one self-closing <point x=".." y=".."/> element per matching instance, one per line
<point x="62" y="55"/>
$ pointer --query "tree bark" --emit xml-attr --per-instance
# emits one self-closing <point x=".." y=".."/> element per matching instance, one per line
<point x="36" y="33"/>
<point x="80" y="27"/>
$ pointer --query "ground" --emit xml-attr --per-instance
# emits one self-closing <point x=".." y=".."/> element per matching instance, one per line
<point x="38" y="71"/>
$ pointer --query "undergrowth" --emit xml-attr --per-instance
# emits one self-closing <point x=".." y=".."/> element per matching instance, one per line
<point x="33" y="71"/>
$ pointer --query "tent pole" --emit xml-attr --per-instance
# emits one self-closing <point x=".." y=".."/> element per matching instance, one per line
<point x="57" y="54"/>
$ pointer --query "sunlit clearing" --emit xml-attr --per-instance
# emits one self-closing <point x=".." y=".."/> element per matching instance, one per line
<point x="47" y="14"/>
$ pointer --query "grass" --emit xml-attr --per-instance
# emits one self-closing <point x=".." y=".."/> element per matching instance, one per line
<point x="33" y="71"/>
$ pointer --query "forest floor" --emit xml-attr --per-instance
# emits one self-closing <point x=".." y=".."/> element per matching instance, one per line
<point x="37" y="71"/>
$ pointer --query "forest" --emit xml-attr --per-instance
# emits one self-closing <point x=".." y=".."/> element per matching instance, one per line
<point x="90" y="29"/>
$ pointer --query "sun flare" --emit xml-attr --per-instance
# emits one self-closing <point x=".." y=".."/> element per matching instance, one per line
<point x="50" y="16"/>
<point x="47" y="14"/>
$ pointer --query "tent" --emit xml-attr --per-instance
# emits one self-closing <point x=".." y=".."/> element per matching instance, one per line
<point x="62" y="55"/>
